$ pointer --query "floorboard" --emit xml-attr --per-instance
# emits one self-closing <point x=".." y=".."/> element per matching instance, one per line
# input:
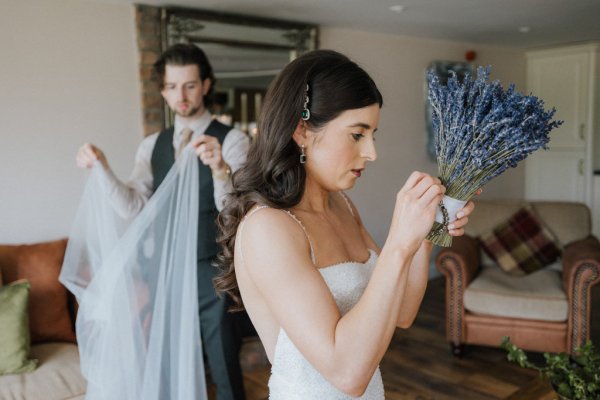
<point x="419" y="366"/>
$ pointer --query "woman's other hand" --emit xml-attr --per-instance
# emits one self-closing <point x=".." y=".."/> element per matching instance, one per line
<point x="414" y="212"/>
<point x="456" y="228"/>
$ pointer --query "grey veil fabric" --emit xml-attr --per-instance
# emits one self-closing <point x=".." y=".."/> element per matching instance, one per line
<point x="135" y="281"/>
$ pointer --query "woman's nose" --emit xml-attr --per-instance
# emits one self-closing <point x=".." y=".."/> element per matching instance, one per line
<point x="369" y="151"/>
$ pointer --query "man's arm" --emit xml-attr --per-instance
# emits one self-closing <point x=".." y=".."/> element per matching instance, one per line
<point x="234" y="151"/>
<point x="128" y="198"/>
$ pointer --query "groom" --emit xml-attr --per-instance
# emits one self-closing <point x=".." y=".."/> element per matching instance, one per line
<point x="186" y="81"/>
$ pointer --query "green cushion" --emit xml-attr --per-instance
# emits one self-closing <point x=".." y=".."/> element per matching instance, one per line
<point x="14" y="329"/>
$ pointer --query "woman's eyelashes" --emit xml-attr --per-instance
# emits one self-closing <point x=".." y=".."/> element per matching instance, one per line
<point x="357" y="136"/>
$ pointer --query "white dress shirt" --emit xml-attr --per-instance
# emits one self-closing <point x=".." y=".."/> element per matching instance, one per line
<point x="129" y="198"/>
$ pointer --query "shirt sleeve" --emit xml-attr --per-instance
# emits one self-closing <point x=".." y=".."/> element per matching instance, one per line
<point x="129" y="198"/>
<point x="234" y="150"/>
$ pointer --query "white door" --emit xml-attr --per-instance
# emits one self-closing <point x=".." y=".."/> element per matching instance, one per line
<point x="563" y="78"/>
<point x="562" y="82"/>
<point x="556" y="175"/>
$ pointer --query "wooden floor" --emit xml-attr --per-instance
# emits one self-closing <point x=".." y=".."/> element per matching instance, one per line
<point x="419" y="365"/>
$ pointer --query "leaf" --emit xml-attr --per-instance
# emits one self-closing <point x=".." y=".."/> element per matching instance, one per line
<point x="576" y="378"/>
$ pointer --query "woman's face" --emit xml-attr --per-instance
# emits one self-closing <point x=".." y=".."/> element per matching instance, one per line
<point x="337" y="154"/>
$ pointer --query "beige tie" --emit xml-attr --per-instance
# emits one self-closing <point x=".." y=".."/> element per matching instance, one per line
<point x="186" y="135"/>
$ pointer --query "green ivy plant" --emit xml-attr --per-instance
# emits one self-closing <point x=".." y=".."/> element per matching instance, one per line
<point x="573" y="378"/>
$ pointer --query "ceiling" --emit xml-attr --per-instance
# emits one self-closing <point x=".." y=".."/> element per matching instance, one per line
<point x="493" y="22"/>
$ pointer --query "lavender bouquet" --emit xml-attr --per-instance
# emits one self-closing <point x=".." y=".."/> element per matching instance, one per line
<point x="480" y="131"/>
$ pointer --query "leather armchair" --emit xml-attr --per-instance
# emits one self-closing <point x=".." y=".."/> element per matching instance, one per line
<point x="580" y="271"/>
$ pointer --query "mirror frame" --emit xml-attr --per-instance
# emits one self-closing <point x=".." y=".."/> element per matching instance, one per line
<point x="178" y="25"/>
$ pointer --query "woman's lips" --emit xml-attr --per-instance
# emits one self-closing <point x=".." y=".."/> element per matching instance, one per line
<point x="357" y="172"/>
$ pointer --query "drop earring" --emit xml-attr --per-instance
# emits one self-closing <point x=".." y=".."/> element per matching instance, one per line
<point x="302" y="155"/>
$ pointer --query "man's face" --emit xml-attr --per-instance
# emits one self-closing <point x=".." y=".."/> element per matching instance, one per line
<point x="184" y="91"/>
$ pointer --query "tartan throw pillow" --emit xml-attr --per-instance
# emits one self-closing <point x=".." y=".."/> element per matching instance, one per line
<point x="522" y="244"/>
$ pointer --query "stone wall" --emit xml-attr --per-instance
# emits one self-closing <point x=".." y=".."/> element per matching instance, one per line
<point x="148" y="28"/>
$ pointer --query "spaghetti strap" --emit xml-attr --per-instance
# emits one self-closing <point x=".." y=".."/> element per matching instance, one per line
<point x="239" y="236"/>
<point x="347" y="202"/>
<point x="312" y="251"/>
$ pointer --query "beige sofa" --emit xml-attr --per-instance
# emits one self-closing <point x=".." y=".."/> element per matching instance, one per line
<point x="57" y="376"/>
<point x="547" y="310"/>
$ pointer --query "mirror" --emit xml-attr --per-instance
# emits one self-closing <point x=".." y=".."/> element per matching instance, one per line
<point x="246" y="54"/>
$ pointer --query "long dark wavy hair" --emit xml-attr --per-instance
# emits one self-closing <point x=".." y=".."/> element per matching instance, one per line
<point x="273" y="175"/>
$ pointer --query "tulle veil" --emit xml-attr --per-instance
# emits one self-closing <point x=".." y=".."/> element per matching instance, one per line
<point x="137" y="325"/>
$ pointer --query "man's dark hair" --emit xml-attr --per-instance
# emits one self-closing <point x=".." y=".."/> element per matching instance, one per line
<point x="182" y="54"/>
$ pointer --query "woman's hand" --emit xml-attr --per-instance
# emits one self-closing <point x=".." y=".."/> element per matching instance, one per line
<point x="414" y="212"/>
<point x="456" y="227"/>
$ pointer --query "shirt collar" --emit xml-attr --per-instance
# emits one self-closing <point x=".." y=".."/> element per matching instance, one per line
<point x="198" y="125"/>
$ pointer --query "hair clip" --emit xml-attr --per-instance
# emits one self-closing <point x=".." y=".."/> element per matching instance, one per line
<point x="305" y="111"/>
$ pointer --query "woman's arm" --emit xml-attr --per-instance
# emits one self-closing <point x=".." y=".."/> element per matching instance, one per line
<point x="345" y="350"/>
<point x="418" y="274"/>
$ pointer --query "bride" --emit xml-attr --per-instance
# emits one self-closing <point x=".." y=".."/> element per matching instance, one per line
<point x="324" y="298"/>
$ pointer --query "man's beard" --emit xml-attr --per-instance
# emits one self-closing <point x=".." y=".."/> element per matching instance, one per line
<point x="187" y="113"/>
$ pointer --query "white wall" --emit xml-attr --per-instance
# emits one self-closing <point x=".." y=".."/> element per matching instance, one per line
<point x="398" y="64"/>
<point x="68" y="75"/>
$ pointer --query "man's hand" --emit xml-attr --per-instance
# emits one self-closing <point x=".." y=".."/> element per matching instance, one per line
<point x="87" y="156"/>
<point x="208" y="150"/>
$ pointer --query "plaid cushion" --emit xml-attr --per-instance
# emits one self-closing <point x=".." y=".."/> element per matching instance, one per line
<point x="522" y="244"/>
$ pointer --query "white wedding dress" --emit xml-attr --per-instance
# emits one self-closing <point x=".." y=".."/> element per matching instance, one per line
<point x="292" y="376"/>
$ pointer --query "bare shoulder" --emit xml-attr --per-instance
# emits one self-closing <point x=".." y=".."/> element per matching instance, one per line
<point x="270" y="234"/>
<point x="263" y="222"/>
